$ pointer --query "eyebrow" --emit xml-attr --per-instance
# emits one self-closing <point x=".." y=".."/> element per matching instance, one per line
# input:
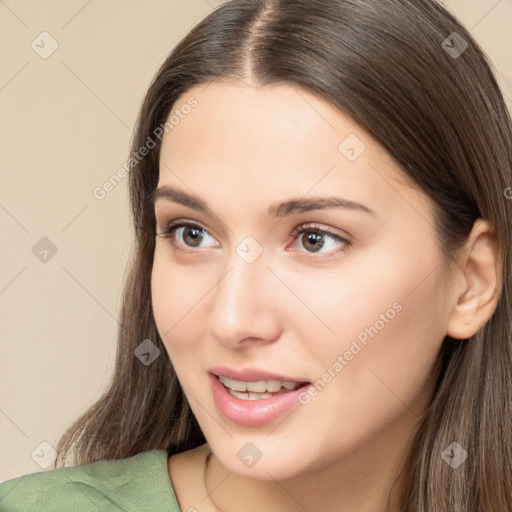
<point x="276" y="210"/>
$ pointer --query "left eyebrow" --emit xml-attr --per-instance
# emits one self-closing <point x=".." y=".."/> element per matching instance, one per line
<point x="275" y="210"/>
<point x="305" y="205"/>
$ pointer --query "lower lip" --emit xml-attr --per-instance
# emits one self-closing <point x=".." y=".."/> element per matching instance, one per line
<point x="253" y="412"/>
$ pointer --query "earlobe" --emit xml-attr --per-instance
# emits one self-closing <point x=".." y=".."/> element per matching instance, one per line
<point x="462" y="321"/>
<point x="479" y="270"/>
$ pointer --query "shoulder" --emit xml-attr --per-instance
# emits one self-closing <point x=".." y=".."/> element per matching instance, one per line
<point x="135" y="483"/>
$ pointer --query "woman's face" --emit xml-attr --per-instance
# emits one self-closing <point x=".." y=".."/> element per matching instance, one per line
<point x="355" y="304"/>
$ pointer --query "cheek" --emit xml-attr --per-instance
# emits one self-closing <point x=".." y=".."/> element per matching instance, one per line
<point x="367" y="296"/>
<point x="384" y="322"/>
<point x="365" y="386"/>
<point x="176" y="296"/>
<point x="389" y="336"/>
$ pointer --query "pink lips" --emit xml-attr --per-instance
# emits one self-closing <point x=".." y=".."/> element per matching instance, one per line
<point x="252" y="412"/>
<point x="251" y="374"/>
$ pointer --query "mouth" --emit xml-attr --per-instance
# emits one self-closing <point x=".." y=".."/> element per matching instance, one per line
<point x="260" y="389"/>
<point x="252" y="397"/>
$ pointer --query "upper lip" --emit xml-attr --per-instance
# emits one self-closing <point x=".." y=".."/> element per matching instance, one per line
<point x="252" y="374"/>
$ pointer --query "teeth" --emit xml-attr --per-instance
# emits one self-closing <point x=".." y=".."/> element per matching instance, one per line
<point x="237" y="385"/>
<point x="249" y="396"/>
<point x="272" y="386"/>
<point x="260" y="386"/>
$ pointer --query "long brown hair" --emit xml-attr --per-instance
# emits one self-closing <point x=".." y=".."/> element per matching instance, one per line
<point x="441" y="115"/>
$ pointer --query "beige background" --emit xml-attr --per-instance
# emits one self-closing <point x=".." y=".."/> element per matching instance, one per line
<point x="65" y="126"/>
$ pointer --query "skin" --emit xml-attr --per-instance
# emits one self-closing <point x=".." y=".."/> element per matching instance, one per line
<point x="293" y="311"/>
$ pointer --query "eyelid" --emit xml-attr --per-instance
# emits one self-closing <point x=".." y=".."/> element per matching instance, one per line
<point x="182" y="221"/>
<point x="307" y="227"/>
<point x="170" y="212"/>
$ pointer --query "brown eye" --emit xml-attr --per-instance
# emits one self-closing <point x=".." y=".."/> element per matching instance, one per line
<point x="192" y="236"/>
<point x="187" y="234"/>
<point x="312" y="241"/>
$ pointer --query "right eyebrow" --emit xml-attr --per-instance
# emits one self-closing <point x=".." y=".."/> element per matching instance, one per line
<point x="177" y="196"/>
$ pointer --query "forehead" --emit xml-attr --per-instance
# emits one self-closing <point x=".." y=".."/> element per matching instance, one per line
<point x="281" y="115"/>
<point x="273" y="141"/>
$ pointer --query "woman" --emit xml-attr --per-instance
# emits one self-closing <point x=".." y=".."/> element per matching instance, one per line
<point x="318" y="313"/>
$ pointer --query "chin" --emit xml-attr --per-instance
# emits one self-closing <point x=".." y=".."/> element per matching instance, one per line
<point x="261" y="458"/>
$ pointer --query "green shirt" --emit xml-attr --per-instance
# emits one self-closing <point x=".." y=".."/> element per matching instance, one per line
<point x="134" y="484"/>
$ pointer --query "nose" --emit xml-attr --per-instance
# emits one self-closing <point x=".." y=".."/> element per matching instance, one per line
<point x="246" y="304"/>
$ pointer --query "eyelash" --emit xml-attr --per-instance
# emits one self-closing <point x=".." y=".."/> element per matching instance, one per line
<point x="167" y="231"/>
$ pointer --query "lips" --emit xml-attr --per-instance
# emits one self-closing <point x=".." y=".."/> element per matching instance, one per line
<point x="252" y="375"/>
<point x="254" y="397"/>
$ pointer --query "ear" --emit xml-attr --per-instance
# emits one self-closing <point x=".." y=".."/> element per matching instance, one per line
<point x="479" y="272"/>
